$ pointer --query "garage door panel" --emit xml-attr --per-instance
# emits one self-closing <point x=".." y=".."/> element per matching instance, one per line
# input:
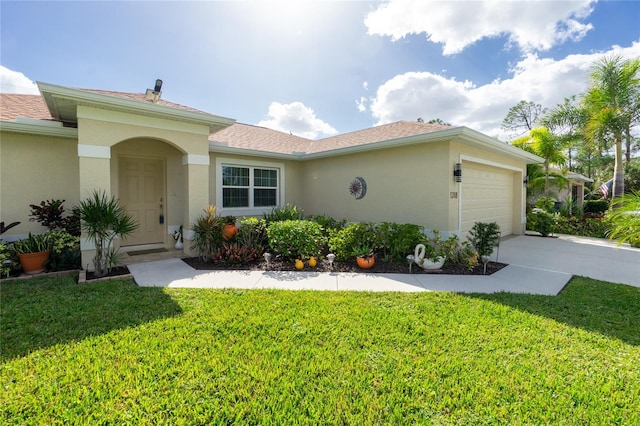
<point x="487" y="196"/>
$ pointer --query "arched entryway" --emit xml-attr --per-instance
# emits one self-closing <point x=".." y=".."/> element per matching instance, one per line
<point x="147" y="177"/>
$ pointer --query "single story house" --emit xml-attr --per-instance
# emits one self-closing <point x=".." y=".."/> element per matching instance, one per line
<point x="166" y="162"/>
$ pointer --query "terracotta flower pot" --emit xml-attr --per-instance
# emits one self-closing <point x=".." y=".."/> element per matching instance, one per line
<point x="365" y="262"/>
<point x="33" y="263"/>
<point x="229" y="230"/>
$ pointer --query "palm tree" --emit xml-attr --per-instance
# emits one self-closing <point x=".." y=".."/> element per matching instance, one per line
<point x="613" y="105"/>
<point x="543" y="143"/>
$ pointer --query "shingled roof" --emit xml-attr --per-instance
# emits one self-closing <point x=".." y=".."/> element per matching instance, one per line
<point x="13" y="106"/>
<point x="141" y="97"/>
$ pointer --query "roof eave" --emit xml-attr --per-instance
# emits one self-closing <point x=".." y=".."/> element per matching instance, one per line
<point x="31" y="129"/>
<point x="51" y="92"/>
<point x="493" y="144"/>
<point x="225" y="149"/>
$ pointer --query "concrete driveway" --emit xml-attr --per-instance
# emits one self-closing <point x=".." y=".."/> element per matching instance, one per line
<point x="590" y="257"/>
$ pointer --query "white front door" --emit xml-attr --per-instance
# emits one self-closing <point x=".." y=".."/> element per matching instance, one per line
<point x="142" y="191"/>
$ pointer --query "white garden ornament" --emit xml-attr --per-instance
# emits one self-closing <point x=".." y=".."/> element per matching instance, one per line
<point x="426" y="263"/>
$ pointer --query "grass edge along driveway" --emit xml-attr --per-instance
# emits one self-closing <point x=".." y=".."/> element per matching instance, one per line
<point x="116" y="353"/>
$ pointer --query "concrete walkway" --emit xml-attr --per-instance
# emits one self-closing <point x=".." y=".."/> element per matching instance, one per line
<point x="536" y="265"/>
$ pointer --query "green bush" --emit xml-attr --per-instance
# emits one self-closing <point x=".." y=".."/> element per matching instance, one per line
<point x="583" y="226"/>
<point x="546" y="203"/>
<point x="327" y="222"/>
<point x="296" y="239"/>
<point x="396" y="241"/>
<point x="236" y="253"/>
<point x="541" y="221"/>
<point x="288" y="212"/>
<point x="5" y="260"/>
<point x="65" y="251"/>
<point x="595" y="206"/>
<point x="484" y="237"/>
<point x="342" y="242"/>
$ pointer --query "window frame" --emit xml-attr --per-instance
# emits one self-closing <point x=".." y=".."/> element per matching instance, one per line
<point x="252" y="210"/>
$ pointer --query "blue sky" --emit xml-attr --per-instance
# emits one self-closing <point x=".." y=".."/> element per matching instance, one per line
<point x="320" y="68"/>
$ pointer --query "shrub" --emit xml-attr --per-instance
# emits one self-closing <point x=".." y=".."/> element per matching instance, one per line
<point x="397" y="241"/>
<point x="279" y="214"/>
<point x="50" y="214"/>
<point x="464" y="255"/>
<point x="207" y="230"/>
<point x="584" y="226"/>
<point x="342" y="242"/>
<point x="253" y="231"/>
<point x="295" y="239"/>
<point x="484" y="237"/>
<point x="65" y="251"/>
<point x="327" y="222"/>
<point x="5" y="260"/>
<point x="595" y="206"/>
<point x="541" y="221"/>
<point x="546" y="203"/>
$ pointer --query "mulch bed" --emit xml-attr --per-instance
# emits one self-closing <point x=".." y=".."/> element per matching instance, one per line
<point x="323" y="266"/>
<point x="116" y="271"/>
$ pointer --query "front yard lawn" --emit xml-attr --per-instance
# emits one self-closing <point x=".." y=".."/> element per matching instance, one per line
<point x="114" y="353"/>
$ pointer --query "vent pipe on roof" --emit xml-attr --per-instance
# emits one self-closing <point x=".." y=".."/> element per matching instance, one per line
<point x="154" y="95"/>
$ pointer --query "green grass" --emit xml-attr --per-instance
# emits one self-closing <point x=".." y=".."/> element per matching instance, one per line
<point x="113" y="353"/>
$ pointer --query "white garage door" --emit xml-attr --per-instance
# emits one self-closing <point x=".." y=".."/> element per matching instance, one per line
<point x="487" y="196"/>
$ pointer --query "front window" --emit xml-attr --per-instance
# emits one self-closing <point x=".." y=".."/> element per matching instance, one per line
<point x="248" y="186"/>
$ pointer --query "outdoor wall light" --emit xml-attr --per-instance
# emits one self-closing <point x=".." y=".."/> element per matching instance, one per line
<point x="457" y="172"/>
<point x="525" y="180"/>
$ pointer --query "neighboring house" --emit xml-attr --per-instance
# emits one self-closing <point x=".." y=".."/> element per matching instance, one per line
<point x="166" y="162"/>
<point x="576" y="193"/>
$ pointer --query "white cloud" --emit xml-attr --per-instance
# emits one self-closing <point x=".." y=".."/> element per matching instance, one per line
<point x="298" y="119"/>
<point x="362" y="103"/>
<point x="16" y="82"/>
<point x="541" y="80"/>
<point x="532" y="25"/>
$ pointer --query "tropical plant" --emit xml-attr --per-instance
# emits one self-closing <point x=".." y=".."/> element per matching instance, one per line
<point x="34" y="243"/>
<point x="625" y="219"/>
<point x="50" y="213"/>
<point x="484" y="237"/>
<point x="4" y="228"/>
<point x="612" y="102"/>
<point x="104" y="219"/>
<point x="207" y="230"/>
<point x="543" y="143"/>
<point x="288" y="212"/>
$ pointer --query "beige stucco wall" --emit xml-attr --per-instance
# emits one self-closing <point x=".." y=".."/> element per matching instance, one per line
<point x="33" y="169"/>
<point x="404" y="185"/>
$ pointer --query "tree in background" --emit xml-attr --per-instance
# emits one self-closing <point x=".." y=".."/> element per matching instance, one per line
<point x="613" y="106"/>
<point x="523" y="117"/>
<point x="543" y="143"/>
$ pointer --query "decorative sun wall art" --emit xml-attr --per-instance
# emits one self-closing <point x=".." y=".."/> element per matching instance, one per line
<point x="358" y="188"/>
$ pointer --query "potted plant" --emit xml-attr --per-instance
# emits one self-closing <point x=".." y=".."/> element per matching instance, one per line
<point x="33" y="252"/>
<point x="230" y="229"/>
<point x="177" y="236"/>
<point x="365" y="257"/>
